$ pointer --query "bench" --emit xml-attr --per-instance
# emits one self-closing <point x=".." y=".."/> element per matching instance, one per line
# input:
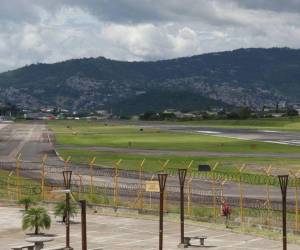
<point x="20" y="247"/>
<point x="187" y="240"/>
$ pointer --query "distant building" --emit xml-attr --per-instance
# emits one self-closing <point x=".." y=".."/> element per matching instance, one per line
<point x="282" y="104"/>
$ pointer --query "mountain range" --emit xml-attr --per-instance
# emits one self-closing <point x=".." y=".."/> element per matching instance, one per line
<point x="252" y="77"/>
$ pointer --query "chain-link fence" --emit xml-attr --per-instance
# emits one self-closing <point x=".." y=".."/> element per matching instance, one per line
<point x="204" y="191"/>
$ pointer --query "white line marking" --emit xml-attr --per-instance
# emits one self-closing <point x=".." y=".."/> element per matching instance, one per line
<point x="208" y="132"/>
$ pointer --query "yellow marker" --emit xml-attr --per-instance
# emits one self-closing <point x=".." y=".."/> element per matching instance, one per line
<point x="141" y="193"/>
<point x="43" y="174"/>
<point x="18" y="175"/>
<point x="91" y="172"/>
<point x="116" y="183"/>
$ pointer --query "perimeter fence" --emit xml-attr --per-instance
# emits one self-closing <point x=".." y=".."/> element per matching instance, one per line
<point x="117" y="187"/>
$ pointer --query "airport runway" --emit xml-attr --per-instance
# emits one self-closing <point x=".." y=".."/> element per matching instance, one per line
<point x="33" y="141"/>
<point x="270" y="136"/>
<point x="29" y="140"/>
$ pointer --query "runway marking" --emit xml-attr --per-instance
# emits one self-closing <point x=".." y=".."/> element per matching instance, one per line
<point x="289" y="142"/>
<point x="208" y="132"/>
<point x="17" y="150"/>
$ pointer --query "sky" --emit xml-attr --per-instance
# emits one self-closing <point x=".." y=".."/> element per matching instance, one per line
<point x="48" y="31"/>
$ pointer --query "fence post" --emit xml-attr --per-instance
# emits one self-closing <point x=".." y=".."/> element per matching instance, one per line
<point x="268" y="173"/>
<point x="296" y="177"/>
<point x="189" y="188"/>
<point x="214" y="191"/>
<point x="163" y="167"/>
<point x="43" y="177"/>
<point x="141" y="192"/>
<point x="8" y="185"/>
<point x="150" y="194"/>
<point x="241" y="194"/>
<point x="80" y="185"/>
<point x="18" y="160"/>
<point x="189" y="200"/>
<point x="116" y="184"/>
<point x="91" y="173"/>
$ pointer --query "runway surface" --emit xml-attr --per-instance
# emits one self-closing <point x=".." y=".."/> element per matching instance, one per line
<point x="270" y="136"/>
<point x="33" y="141"/>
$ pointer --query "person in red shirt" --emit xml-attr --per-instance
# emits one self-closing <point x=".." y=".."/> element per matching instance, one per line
<point x="226" y="211"/>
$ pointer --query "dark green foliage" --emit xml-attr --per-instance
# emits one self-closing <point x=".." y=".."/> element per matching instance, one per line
<point x="135" y="87"/>
<point x="36" y="218"/>
<point x="60" y="210"/>
<point x="26" y="201"/>
<point x="291" y="112"/>
<point x="241" y="113"/>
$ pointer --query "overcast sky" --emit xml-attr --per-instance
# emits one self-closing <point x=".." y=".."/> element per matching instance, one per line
<point x="34" y="31"/>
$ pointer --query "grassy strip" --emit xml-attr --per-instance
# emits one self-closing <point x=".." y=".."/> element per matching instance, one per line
<point x="226" y="169"/>
<point x="9" y="184"/>
<point x="282" y="123"/>
<point x="94" y="134"/>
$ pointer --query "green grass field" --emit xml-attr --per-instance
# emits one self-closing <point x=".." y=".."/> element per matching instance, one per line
<point x="96" y="134"/>
<point x="82" y="134"/>
<point x="282" y="123"/>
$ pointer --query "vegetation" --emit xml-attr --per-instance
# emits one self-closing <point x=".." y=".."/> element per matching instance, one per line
<point x="36" y="218"/>
<point x="93" y="134"/>
<point x="26" y="201"/>
<point x="76" y="138"/>
<point x="232" y="75"/>
<point x="60" y="210"/>
<point x="8" y="186"/>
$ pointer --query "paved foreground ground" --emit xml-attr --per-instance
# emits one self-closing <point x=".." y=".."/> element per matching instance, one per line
<point x="107" y="232"/>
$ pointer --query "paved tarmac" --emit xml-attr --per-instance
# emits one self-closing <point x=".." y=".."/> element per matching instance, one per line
<point x="116" y="233"/>
<point x="270" y="136"/>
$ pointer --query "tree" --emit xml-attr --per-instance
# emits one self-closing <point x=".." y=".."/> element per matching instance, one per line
<point x="291" y="112"/>
<point x="60" y="210"/>
<point x="36" y="218"/>
<point x="26" y="201"/>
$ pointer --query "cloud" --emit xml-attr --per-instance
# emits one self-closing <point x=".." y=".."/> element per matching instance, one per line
<point x="273" y="5"/>
<point x="49" y="31"/>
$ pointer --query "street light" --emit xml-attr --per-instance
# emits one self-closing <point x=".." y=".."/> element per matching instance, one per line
<point x="182" y="175"/>
<point x="283" y="181"/>
<point x="162" y="178"/>
<point x="67" y="182"/>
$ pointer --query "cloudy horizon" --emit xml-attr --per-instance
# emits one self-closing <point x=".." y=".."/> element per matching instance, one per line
<point x="33" y="31"/>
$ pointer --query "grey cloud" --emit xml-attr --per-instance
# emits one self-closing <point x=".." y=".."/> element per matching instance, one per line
<point x="18" y="11"/>
<point x="48" y="31"/>
<point x="154" y="11"/>
<point x="272" y="5"/>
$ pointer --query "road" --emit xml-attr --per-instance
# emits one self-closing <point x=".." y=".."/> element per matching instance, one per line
<point x="33" y="141"/>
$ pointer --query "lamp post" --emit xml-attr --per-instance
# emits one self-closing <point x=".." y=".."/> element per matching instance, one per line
<point x="283" y="181"/>
<point x="67" y="182"/>
<point x="182" y="175"/>
<point x="162" y="178"/>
